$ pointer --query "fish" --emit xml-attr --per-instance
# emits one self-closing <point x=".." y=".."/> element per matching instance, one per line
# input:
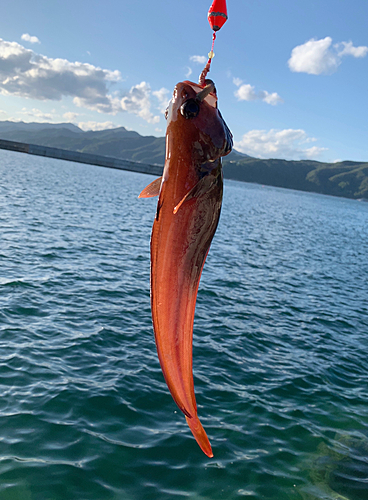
<point x="188" y="210"/>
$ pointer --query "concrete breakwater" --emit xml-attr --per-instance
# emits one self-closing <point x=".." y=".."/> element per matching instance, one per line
<point x="63" y="154"/>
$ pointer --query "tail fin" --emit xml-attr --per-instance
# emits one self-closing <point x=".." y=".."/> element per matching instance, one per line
<point x="200" y="435"/>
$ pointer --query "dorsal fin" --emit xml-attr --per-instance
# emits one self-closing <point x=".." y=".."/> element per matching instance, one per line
<point x="153" y="189"/>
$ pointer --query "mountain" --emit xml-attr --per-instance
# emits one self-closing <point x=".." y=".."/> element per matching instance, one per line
<point x="8" y="126"/>
<point x="348" y="179"/>
<point x="118" y="142"/>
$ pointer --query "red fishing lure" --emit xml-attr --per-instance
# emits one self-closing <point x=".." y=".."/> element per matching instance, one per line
<point x="217" y="17"/>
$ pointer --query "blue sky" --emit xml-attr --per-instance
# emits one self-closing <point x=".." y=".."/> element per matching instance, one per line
<point x="291" y="75"/>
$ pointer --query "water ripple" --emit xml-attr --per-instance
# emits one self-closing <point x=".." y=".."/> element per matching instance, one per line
<point x="279" y="344"/>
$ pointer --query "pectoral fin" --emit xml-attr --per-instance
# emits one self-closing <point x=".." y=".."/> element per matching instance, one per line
<point x="152" y="189"/>
<point x="200" y="188"/>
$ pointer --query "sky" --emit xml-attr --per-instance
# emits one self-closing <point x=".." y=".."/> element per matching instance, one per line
<point x="291" y="76"/>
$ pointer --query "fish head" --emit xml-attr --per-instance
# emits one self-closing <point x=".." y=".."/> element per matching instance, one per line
<point x="193" y="118"/>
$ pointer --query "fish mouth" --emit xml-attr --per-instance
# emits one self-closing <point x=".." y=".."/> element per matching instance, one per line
<point x="207" y="93"/>
<point x="208" y="89"/>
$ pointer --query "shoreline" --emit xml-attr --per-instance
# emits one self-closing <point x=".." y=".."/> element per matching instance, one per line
<point x="76" y="156"/>
<point x="307" y="176"/>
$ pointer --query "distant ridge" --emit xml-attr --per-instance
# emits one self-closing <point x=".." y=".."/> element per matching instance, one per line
<point x="347" y="178"/>
<point x="117" y="142"/>
<point x="9" y="126"/>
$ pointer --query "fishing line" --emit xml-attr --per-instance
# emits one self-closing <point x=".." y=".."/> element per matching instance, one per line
<point x="217" y="17"/>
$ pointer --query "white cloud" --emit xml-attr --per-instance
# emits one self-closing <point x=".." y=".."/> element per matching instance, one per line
<point x="24" y="73"/>
<point x="246" y="92"/>
<point x="350" y="50"/>
<point x="138" y="102"/>
<point x="27" y="74"/>
<point x="198" y="59"/>
<point x="28" y="38"/>
<point x="163" y="98"/>
<point x="288" y="144"/>
<point x="272" y="99"/>
<point x="189" y="72"/>
<point x="95" y="126"/>
<point x="314" y="57"/>
<point x="70" y="116"/>
<point x="317" y="57"/>
<point x="37" y="114"/>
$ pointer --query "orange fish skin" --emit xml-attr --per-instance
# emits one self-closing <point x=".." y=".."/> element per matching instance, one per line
<point x="187" y="216"/>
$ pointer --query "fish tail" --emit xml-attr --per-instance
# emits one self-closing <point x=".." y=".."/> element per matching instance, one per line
<point x="200" y="434"/>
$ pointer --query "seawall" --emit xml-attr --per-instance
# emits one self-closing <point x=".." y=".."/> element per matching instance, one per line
<point x="63" y="154"/>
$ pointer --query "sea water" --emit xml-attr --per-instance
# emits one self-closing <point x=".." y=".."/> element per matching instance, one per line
<point x="280" y="344"/>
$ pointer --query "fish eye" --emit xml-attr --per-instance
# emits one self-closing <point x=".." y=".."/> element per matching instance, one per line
<point x="190" y="108"/>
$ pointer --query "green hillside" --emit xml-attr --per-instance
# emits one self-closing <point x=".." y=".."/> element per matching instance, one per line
<point x="347" y="179"/>
<point x="118" y="142"/>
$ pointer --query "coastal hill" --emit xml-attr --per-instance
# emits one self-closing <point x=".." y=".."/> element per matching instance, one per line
<point x="347" y="179"/>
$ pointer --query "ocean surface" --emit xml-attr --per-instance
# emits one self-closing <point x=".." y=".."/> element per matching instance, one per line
<point x="280" y="344"/>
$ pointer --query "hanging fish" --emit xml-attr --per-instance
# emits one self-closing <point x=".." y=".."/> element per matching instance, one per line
<point x="188" y="211"/>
